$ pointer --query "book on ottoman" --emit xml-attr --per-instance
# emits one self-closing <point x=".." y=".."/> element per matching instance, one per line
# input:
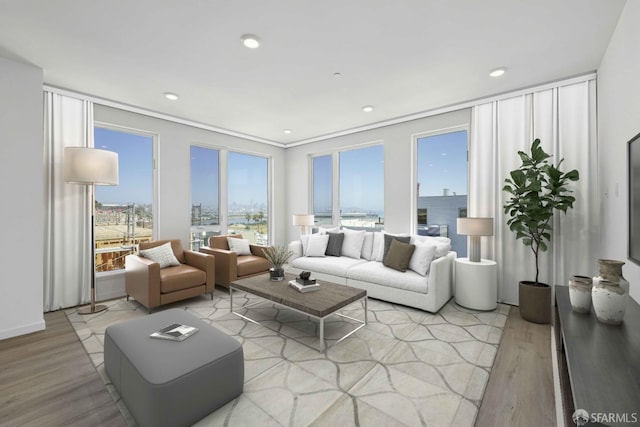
<point x="174" y="332"/>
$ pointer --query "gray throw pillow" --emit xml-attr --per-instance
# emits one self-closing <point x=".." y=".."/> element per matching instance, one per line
<point x="399" y="255"/>
<point x="387" y="242"/>
<point x="335" y="244"/>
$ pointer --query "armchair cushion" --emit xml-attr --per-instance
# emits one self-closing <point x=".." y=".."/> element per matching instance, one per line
<point x="239" y="246"/>
<point x="221" y="242"/>
<point x="162" y="254"/>
<point x="180" y="277"/>
<point x="248" y="265"/>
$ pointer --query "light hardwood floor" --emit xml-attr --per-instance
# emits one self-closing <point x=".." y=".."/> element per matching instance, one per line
<point x="47" y="379"/>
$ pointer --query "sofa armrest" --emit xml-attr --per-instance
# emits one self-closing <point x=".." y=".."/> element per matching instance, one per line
<point x="142" y="280"/>
<point x="226" y="264"/>
<point x="258" y="250"/>
<point x="204" y="262"/>
<point x="441" y="278"/>
<point x="296" y="248"/>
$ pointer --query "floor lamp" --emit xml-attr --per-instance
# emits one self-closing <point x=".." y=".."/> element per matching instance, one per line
<point x="91" y="167"/>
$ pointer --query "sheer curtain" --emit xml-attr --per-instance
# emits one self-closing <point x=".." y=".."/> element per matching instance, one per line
<point x="67" y="252"/>
<point x="564" y="118"/>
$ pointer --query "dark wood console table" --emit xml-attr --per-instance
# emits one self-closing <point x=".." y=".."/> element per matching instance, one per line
<point x="599" y="363"/>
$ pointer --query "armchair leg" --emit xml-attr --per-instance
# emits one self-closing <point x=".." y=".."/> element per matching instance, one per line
<point x="211" y="296"/>
<point x="127" y="297"/>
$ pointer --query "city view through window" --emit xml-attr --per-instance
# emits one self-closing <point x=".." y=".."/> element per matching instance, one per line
<point x="124" y="213"/>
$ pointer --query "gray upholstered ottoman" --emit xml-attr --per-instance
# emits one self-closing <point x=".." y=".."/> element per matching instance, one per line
<point x="170" y="383"/>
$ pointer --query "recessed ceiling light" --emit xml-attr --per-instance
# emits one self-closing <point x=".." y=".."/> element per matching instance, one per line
<point x="497" y="72"/>
<point x="337" y="75"/>
<point x="172" y="96"/>
<point x="251" y="41"/>
<point x="367" y="108"/>
<point x="287" y="131"/>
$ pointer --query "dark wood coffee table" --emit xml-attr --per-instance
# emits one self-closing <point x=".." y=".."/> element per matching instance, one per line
<point x="319" y="304"/>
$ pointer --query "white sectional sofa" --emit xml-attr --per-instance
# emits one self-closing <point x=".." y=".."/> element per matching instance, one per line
<point x="427" y="284"/>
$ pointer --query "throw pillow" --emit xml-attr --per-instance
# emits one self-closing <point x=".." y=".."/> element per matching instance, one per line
<point x="162" y="254"/>
<point x="352" y="243"/>
<point x="322" y="230"/>
<point x="388" y="238"/>
<point x="443" y="244"/>
<point x="399" y="255"/>
<point x="239" y="246"/>
<point x="334" y="246"/>
<point x="317" y="245"/>
<point x="367" y="246"/>
<point x="422" y="256"/>
<point x="378" y="246"/>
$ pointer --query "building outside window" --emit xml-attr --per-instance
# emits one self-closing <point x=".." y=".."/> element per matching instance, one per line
<point x="248" y="197"/>
<point x="124" y="213"/>
<point x="442" y="186"/>
<point x="205" y="191"/>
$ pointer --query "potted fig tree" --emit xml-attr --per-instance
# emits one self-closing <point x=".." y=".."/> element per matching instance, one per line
<point x="537" y="189"/>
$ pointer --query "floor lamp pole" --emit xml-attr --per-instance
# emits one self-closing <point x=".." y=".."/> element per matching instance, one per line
<point x="93" y="308"/>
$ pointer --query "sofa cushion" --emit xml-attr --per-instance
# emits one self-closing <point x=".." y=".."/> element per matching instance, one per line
<point x="334" y="247"/>
<point x="352" y="243"/>
<point x="399" y="255"/>
<point x="388" y="238"/>
<point x="376" y="272"/>
<point x="317" y="245"/>
<point x="251" y="264"/>
<point x="180" y="277"/>
<point x="162" y="254"/>
<point x="335" y="266"/>
<point x="443" y="244"/>
<point x="367" y="246"/>
<point x="424" y="253"/>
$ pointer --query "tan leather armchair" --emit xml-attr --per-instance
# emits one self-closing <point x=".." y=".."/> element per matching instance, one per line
<point x="231" y="266"/>
<point x="153" y="286"/>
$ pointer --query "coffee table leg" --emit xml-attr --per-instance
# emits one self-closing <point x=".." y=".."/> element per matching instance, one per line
<point x="230" y="299"/>
<point x="321" y="333"/>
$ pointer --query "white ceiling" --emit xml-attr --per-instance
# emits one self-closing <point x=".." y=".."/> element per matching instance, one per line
<point x="402" y="57"/>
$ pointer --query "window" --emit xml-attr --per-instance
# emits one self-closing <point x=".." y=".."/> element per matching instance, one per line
<point x="205" y="200"/>
<point x="124" y="213"/>
<point x="323" y="189"/>
<point x="442" y="186"/>
<point x="358" y="199"/>
<point x="248" y="196"/>
<point x="362" y="188"/>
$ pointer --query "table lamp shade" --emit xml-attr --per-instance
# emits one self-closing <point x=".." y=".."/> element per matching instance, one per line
<point x="83" y="165"/>
<point x="475" y="227"/>
<point x="303" y="219"/>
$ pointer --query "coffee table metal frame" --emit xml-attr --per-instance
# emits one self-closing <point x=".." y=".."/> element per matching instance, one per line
<point x="323" y="345"/>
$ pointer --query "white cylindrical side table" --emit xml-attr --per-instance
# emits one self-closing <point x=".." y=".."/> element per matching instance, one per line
<point x="476" y="284"/>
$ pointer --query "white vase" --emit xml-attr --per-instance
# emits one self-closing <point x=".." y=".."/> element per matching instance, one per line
<point x="610" y="292"/>
<point x="580" y="293"/>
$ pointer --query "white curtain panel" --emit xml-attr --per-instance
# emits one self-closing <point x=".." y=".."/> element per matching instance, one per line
<point x="564" y="118"/>
<point x="67" y="257"/>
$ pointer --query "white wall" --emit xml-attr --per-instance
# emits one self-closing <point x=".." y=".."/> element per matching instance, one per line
<point x="398" y="167"/>
<point x="619" y="121"/>
<point x="21" y="191"/>
<point x="174" y="199"/>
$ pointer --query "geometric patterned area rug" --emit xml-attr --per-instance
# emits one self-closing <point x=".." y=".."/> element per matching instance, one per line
<point x="405" y="367"/>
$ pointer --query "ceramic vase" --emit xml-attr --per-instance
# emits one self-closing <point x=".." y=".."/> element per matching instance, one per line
<point x="580" y="288"/>
<point x="610" y="292"/>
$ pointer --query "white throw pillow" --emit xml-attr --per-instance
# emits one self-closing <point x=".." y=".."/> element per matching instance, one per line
<point x="443" y="244"/>
<point x="239" y="246"/>
<point x="422" y="256"/>
<point x="322" y="230"/>
<point x="317" y="245"/>
<point x="162" y="254"/>
<point x="367" y="246"/>
<point x="352" y="243"/>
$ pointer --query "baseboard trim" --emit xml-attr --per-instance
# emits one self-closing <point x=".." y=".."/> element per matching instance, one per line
<point x="23" y="330"/>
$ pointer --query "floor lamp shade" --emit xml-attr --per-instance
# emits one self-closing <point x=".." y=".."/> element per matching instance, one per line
<point x="474" y="228"/>
<point x="84" y="165"/>
<point x="91" y="167"/>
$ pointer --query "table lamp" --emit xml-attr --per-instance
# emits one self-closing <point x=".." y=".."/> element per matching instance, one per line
<point x="474" y="228"/>
<point x="303" y="221"/>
